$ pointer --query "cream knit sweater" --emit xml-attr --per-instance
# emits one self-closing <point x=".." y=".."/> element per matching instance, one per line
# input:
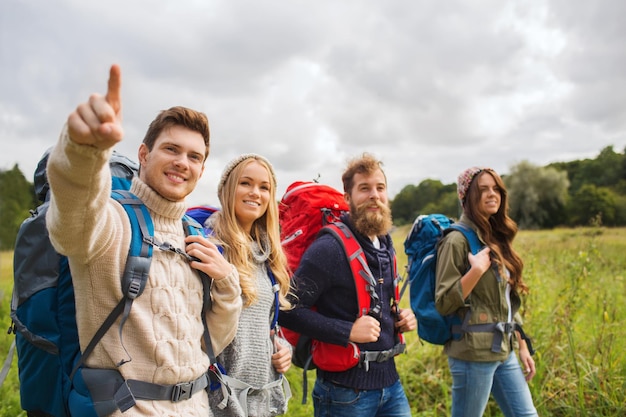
<point x="164" y="330"/>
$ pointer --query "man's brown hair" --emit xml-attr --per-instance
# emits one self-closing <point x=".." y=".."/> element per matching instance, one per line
<point x="178" y="116"/>
<point x="365" y="164"/>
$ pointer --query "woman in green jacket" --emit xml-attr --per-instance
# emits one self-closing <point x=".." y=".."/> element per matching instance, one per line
<point x="484" y="291"/>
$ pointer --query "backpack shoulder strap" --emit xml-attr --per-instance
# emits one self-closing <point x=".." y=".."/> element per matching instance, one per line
<point x="140" y="252"/>
<point x="470" y="235"/>
<point x="192" y="219"/>
<point x="193" y="228"/>
<point x="276" y="291"/>
<point x="369" y="302"/>
<point x="136" y="271"/>
<point x="366" y="294"/>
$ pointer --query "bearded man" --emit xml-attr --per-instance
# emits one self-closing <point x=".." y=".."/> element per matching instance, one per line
<point x="324" y="280"/>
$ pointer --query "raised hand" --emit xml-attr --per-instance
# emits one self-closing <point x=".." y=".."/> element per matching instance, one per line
<point x="98" y="122"/>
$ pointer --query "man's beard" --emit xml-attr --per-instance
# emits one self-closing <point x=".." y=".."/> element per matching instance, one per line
<point x="371" y="223"/>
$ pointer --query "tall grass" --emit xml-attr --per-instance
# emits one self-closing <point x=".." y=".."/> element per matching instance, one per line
<point x="9" y="391"/>
<point x="575" y="314"/>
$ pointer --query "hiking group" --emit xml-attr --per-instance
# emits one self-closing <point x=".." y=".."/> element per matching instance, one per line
<point x="179" y="311"/>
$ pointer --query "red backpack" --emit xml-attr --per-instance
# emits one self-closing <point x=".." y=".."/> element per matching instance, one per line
<point x="306" y="210"/>
<point x="303" y="210"/>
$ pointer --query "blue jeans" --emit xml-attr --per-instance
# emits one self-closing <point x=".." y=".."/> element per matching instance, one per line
<point x="330" y="400"/>
<point x="472" y="382"/>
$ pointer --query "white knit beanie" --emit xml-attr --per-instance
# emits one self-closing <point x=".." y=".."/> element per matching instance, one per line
<point x="236" y="161"/>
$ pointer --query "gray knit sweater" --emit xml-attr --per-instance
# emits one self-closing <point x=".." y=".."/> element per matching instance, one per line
<point x="249" y="356"/>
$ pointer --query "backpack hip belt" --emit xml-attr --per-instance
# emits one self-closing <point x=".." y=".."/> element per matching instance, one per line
<point x="368" y="356"/>
<point x="499" y="329"/>
<point x="176" y="392"/>
<point x="110" y="392"/>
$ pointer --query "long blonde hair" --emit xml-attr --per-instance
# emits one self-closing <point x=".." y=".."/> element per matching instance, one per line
<point x="265" y="231"/>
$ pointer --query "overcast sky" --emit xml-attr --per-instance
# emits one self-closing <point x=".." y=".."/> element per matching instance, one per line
<point x="428" y="86"/>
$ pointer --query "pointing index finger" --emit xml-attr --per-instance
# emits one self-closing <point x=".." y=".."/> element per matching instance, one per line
<point x="113" y="96"/>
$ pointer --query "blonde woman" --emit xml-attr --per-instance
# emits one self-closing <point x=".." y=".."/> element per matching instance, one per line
<point x="247" y="229"/>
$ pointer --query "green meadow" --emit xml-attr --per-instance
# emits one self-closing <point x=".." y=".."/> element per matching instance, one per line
<point x="575" y="314"/>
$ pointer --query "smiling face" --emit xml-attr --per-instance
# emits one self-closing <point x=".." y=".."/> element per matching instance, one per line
<point x="252" y="194"/>
<point x="490" y="195"/>
<point x="175" y="163"/>
<point x="368" y="188"/>
<point x="369" y="206"/>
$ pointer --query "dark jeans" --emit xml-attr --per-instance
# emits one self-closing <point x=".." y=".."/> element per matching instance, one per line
<point x="333" y="400"/>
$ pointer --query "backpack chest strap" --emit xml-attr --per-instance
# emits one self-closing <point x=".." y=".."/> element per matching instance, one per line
<point x="368" y="356"/>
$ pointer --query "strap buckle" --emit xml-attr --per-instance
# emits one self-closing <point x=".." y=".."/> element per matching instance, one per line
<point x="384" y="355"/>
<point x="509" y="327"/>
<point x="505" y="328"/>
<point x="182" y="391"/>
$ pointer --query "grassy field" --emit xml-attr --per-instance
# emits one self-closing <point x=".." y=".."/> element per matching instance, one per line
<point x="9" y="391"/>
<point x="575" y="313"/>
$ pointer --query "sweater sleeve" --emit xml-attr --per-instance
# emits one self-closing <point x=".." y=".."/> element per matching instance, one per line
<point x="79" y="215"/>
<point x="223" y="317"/>
<point x="323" y="280"/>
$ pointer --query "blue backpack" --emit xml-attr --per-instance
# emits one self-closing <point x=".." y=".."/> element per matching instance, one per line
<point x="420" y="247"/>
<point x="43" y="314"/>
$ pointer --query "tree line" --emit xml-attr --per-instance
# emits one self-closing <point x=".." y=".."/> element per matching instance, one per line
<point x="576" y="193"/>
<point x="17" y="197"/>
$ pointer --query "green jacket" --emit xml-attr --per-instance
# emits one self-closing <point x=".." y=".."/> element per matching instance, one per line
<point x="487" y="301"/>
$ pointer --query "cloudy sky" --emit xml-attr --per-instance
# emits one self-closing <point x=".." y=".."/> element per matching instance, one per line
<point x="428" y="86"/>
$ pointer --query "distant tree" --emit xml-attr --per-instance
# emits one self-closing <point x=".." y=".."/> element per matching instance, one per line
<point x="624" y="163"/>
<point x="593" y="205"/>
<point x="541" y="197"/>
<point x="620" y="188"/>
<point x="448" y="204"/>
<point x="610" y="166"/>
<point x="17" y="197"/>
<point x="429" y="196"/>
<point x="537" y="196"/>
<point x="620" y="210"/>
<point x="403" y="204"/>
<point x="608" y="169"/>
<point x="428" y="191"/>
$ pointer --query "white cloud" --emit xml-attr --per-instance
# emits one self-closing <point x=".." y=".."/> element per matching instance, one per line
<point x="429" y="87"/>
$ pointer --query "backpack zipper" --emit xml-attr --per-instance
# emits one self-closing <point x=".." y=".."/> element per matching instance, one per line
<point x="292" y="236"/>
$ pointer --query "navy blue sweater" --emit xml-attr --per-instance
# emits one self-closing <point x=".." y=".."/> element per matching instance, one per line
<point x="324" y="279"/>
